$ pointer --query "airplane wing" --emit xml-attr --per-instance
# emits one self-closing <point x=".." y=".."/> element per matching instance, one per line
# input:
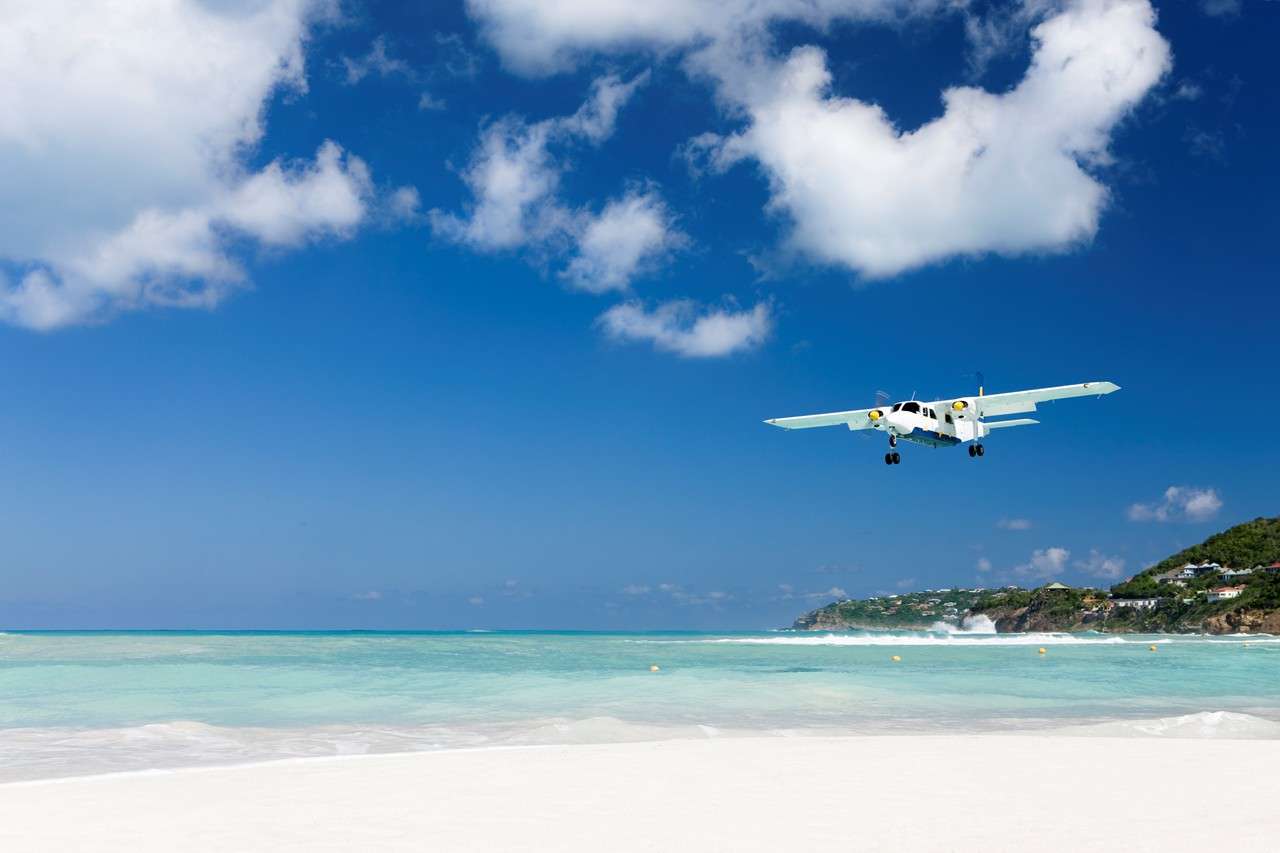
<point x="855" y="419"/>
<point x="1017" y="402"/>
<point x="1011" y="423"/>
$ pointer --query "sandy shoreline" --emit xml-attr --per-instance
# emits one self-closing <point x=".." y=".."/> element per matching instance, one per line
<point x="947" y="792"/>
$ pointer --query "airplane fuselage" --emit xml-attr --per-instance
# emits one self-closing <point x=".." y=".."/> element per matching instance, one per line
<point x="919" y="423"/>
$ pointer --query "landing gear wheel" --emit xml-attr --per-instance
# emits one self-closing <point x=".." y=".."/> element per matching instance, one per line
<point x="897" y="457"/>
<point x="888" y="459"/>
<point x="981" y="450"/>
<point x="973" y="451"/>
<point x="893" y="441"/>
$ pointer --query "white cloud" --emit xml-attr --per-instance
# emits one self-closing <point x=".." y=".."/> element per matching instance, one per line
<point x="1014" y="524"/>
<point x="631" y="234"/>
<point x="123" y="137"/>
<point x="984" y="565"/>
<point x="1007" y="173"/>
<point x="679" y="326"/>
<point x="635" y="589"/>
<point x="1188" y="91"/>
<point x="429" y="102"/>
<point x="378" y="61"/>
<point x="1102" y="566"/>
<point x="539" y="37"/>
<point x="789" y="592"/>
<point x="514" y="176"/>
<point x="1004" y="173"/>
<point x="679" y="595"/>
<point x="1221" y="8"/>
<point x="1180" y="503"/>
<point x="476" y="600"/>
<point x="996" y="29"/>
<point x="905" y="583"/>
<point x="1045" y="563"/>
<point x="370" y="595"/>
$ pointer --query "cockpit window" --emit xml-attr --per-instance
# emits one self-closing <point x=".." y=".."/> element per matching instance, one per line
<point x="910" y="407"/>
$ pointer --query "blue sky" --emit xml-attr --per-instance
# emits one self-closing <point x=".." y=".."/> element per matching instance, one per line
<point x="468" y="316"/>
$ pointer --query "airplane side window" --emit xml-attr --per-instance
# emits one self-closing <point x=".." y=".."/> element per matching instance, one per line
<point x="949" y="419"/>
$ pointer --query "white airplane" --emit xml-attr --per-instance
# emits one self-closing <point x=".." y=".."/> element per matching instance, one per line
<point x="962" y="418"/>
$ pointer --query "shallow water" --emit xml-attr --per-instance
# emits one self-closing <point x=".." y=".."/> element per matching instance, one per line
<point x="74" y="703"/>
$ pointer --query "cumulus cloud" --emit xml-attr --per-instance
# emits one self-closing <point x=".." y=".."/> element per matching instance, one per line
<point x="1045" y="563"/>
<point x="1180" y="503"/>
<point x="514" y="175"/>
<point x="1005" y="173"/>
<point x="124" y="134"/>
<point x="1102" y="566"/>
<point x="1008" y="173"/>
<point x="629" y="235"/>
<point x="681" y="327"/>
<point x="537" y="37"/>
<point x="1014" y="524"/>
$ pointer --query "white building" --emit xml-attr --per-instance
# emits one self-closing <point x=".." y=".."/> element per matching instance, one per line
<point x="1138" y="603"/>
<point x="1193" y="570"/>
<point x="1224" y="593"/>
<point x="1231" y="574"/>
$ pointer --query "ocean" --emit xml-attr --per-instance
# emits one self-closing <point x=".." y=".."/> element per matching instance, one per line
<point x="95" y="702"/>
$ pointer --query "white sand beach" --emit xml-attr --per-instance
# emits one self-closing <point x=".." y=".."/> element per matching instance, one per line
<point x="918" y="793"/>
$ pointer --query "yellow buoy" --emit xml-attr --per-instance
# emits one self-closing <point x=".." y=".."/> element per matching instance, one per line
<point x="1043" y="650"/>
<point x="1152" y="647"/>
<point x="653" y="668"/>
<point x="896" y="659"/>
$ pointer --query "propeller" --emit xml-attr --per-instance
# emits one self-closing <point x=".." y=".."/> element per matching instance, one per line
<point x="882" y="403"/>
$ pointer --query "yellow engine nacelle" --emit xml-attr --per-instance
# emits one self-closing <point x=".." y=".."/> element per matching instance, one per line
<point x="875" y="415"/>
<point x="960" y="405"/>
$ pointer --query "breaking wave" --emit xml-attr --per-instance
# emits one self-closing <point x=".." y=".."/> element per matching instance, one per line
<point x="957" y="637"/>
<point x="1206" y="724"/>
<point x="978" y="624"/>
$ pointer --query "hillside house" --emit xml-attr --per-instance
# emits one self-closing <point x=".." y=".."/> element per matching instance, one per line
<point x="1224" y="593"/>
<point x="1136" y="603"/>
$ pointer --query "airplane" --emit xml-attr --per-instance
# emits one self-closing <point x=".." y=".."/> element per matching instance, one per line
<point x="946" y="423"/>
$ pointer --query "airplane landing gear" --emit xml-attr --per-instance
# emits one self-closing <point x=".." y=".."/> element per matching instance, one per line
<point x="893" y="458"/>
<point x="977" y="450"/>
<point x="893" y="441"/>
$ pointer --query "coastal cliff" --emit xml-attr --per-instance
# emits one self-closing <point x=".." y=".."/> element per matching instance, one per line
<point x="1152" y="601"/>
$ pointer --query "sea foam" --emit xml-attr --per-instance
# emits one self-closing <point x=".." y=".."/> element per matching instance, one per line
<point x="955" y="638"/>
<point x="1205" y="724"/>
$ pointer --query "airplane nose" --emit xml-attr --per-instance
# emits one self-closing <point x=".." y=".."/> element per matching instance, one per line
<point x="901" y="422"/>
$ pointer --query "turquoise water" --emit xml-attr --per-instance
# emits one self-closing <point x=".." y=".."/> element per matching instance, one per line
<point x="87" y="702"/>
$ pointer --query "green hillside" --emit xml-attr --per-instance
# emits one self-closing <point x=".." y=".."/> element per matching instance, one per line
<point x="1243" y="546"/>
